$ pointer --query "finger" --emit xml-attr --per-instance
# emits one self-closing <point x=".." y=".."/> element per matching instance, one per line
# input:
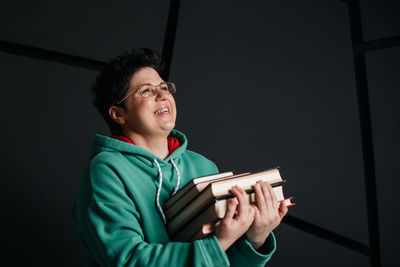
<point x="242" y="192"/>
<point x="259" y="197"/>
<point x="257" y="213"/>
<point x="272" y="201"/>
<point x="273" y="196"/>
<point x="231" y="209"/>
<point x="283" y="210"/>
<point x="252" y="212"/>
<point x="267" y="196"/>
<point x="242" y="203"/>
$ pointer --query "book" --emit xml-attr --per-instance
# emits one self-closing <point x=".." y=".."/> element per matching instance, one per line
<point x="194" y="183"/>
<point x="204" y="231"/>
<point x="191" y="191"/>
<point x="219" y="189"/>
<point x="215" y="211"/>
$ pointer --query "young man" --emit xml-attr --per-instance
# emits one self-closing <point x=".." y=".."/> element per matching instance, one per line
<point x="119" y="210"/>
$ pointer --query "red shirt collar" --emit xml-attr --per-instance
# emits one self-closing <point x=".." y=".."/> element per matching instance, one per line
<point x="173" y="142"/>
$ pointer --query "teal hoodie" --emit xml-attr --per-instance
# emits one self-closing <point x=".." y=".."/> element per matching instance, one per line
<point x="119" y="217"/>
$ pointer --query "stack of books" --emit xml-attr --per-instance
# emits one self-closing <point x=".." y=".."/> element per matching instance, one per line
<point x="196" y="209"/>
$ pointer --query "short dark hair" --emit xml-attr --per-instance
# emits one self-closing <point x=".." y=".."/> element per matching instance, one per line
<point x="112" y="83"/>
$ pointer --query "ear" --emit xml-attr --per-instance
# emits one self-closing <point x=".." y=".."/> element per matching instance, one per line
<point x="117" y="114"/>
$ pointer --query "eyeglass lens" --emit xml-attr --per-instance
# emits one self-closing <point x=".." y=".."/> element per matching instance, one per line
<point x="151" y="90"/>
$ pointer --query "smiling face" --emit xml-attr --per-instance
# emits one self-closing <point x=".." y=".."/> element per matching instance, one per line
<point x="152" y="116"/>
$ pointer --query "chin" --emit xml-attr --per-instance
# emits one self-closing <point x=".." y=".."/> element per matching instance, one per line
<point x="169" y="128"/>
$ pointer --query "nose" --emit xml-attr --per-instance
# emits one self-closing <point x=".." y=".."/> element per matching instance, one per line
<point x="160" y="94"/>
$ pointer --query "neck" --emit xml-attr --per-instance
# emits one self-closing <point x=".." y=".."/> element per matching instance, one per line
<point x="158" y="145"/>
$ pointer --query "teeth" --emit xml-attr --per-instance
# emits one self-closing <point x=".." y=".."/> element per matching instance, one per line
<point x="161" y="111"/>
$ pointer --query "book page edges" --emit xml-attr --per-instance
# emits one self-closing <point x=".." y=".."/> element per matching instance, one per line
<point x="245" y="182"/>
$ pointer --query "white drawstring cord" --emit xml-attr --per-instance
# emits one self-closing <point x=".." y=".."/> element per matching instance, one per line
<point x="159" y="191"/>
<point x="179" y="177"/>
<point x="160" y="186"/>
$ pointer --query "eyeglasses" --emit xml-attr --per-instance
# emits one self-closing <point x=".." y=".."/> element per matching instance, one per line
<point x="148" y="90"/>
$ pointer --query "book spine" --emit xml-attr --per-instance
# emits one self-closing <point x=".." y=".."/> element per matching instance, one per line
<point x="194" y="207"/>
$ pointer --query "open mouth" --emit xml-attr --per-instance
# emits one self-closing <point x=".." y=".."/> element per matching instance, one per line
<point x="162" y="110"/>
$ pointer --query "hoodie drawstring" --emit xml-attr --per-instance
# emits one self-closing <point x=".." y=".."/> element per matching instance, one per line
<point x="160" y="186"/>
<point x="179" y="177"/>
<point x="159" y="191"/>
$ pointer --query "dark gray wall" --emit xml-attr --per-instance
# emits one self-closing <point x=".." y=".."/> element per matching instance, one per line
<point x="259" y="84"/>
<point x="384" y="71"/>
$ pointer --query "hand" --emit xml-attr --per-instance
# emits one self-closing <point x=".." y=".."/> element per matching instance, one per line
<point x="268" y="214"/>
<point x="234" y="226"/>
